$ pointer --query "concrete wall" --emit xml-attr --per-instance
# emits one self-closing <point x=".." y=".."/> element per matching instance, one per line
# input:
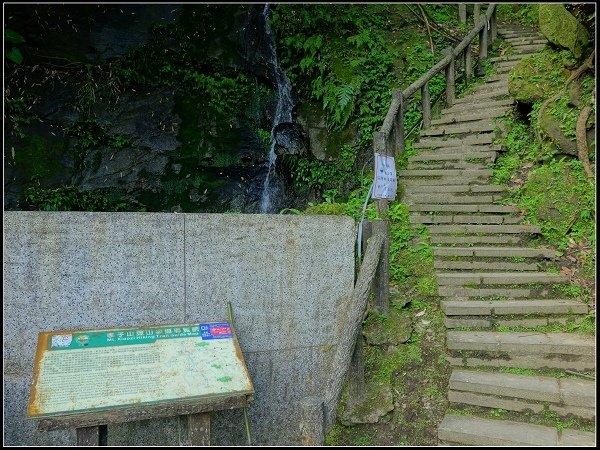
<point x="288" y="279"/>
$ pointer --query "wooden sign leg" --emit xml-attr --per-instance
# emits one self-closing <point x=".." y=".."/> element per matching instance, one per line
<point x="88" y="436"/>
<point x="196" y="429"/>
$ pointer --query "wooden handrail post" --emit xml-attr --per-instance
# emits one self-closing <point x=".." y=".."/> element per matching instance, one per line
<point x="493" y="26"/>
<point x="483" y="47"/>
<point x="426" y="105"/>
<point x="399" y="123"/>
<point x="382" y="275"/>
<point x="462" y="12"/>
<point x="450" y="83"/>
<point x="468" y="63"/>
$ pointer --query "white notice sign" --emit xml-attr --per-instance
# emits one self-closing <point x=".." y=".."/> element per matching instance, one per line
<point x="385" y="185"/>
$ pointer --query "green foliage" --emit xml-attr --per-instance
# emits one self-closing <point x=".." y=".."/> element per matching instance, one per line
<point x="310" y="173"/>
<point x="68" y="198"/>
<point x="338" y="56"/>
<point x="13" y="53"/>
<point x="411" y="255"/>
<point x="522" y="13"/>
<point x="90" y="134"/>
<point x="17" y="112"/>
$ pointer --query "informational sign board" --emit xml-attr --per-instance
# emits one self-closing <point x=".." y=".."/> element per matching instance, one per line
<point x="385" y="185"/>
<point x="91" y="370"/>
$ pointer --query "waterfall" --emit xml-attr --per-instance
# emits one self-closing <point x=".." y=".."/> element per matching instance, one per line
<point x="283" y="113"/>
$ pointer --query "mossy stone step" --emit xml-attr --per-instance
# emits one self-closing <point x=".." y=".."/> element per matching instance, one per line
<point x="526" y="41"/>
<point x="461" y="291"/>
<point x="498" y="278"/>
<point x="490" y="113"/>
<point x="442" y="181"/>
<point x="470" y="430"/>
<point x="527" y="48"/>
<point x="523" y="392"/>
<point x="495" y="252"/>
<point x="477" y="107"/>
<point x="493" y="322"/>
<point x="466" y="208"/>
<point x="512" y="307"/>
<point x="478" y="139"/>
<point x="473" y="187"/>
<point x="471" y="127"/>
<point x="483" y="218"/>
<point x="446" y="173"/>
<point x="507" y="58"/>
<point x="458" y="156"/>
<point x="415" y="199"/>
<point x="495" y="239"/>
<point x="483" y="265"/>
<point x="522" y="342"/>
<point x="484" y="229"/>
<point x="481" y="97"/>
<point x="453" y="150"/>
<point x="449" y="165"/>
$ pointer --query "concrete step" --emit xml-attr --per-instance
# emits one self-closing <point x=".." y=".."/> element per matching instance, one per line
<point x="481" y="97"/>
<point x="507" y="58"/>
<point x="529" y="350"/>
<point x="471" y="430"/>
<point x="497" y="77"/>
<point x="415" y="199"/>
<point x="484" y="229"/>
<point x="483" y="265"/>
<point x="466" y="292"/>
<point x="528" y="48"/>
<point x="465" y="278"/>
<point x="486" y="138"/>
<point x="458" y="156"/>
<point x="459" y="219"/>
<point x="453" y="150"/>
<point x="464" y="208"/>
<point x="449" y="165"/>
<point x="470" y="116"/>
<point x="484" y="323"/>
<point x="526" y="41"/>
<point x="520" y="34"/>
<point x="469" y="174"/>
<point x="441" y="181"/>
<point x="513" y="307"/>
<point x="523" y="392"/>
<point x="495" y="252"/>
<point x="494" y="239"/>
<point x="476" y="107"/>
<point x="471" y="127"/>
<point x="505" y="64"/>
<point x="455" y="189"/>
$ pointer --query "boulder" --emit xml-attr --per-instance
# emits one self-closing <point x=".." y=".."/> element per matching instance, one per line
<point x="290" y="139"/>
<point x="562" y="28"/>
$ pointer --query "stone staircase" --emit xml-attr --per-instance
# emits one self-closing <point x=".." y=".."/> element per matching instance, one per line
<point x="491" y="280"/>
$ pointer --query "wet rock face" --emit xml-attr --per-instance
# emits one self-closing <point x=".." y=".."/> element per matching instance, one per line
<point x="173" y="150"/>
<point x="290" y="139"/>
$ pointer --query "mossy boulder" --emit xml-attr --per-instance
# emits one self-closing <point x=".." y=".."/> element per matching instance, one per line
<point x="539" y="76"/>
<point x="562" y="28"/>
<point x="394" y="329"/>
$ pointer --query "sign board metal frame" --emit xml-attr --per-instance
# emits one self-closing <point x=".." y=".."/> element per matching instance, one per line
<point x="86" y="378"/>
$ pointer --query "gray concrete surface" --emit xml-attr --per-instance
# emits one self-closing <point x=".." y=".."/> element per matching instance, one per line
<point x="288" y="279"/>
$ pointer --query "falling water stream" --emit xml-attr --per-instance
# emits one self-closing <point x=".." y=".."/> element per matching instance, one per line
<point x="283" y="113"/>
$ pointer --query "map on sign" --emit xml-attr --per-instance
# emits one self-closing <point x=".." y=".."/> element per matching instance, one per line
<point x="385" y="184"/>
<point x="79" y="371"/>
